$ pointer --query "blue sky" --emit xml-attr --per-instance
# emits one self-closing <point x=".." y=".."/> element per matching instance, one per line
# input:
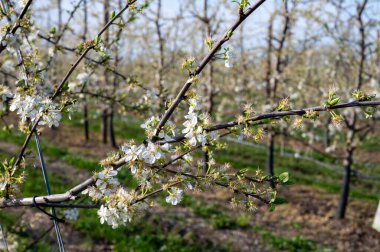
<point x="255" y="26"/>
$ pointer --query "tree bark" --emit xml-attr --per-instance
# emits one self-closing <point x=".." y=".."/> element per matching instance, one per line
<point x="353" y="130"/>
<point x="270" y="157"/>
<point x="326" y="134"/>
<point x="86" y="125"/>
<point x="106" y="79"/>
<point x="104" y="126"/>
<point x="161" y="60"/>
<point x="343" y="201"/>
<point x="111" y="130"/>
<point x="85" y="122"/>
<point x="206" y="159"/>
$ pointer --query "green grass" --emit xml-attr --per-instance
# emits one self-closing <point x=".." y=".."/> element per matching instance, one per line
<point x="52" y="151"/>
<point x="372" y="144"/>
<point x="142" y="235"/>
<point x="291" y="244"/>
<point x="301" y="171"/>
<point x="127" y="127"/>
<point x="136" y="236"/>
<point x="214" y="215"/>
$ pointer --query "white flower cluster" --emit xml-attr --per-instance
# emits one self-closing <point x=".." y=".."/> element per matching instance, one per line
<point x="34" y="107"/>
<point x="193" y="132"/>
<point x="106" y="184"/>
<point x="11" y="41"/>
<point x="119" y="205"/>
<point x="71" y="214"/>
<point x="175" y="196"/>
<point x="150" y="125"/>
<point x="119" y="209"/>
<point x="22" y="3"/>
<point x="149" y="153"/>
<point x="82" y="79"/>
<point x="8" y="65"/>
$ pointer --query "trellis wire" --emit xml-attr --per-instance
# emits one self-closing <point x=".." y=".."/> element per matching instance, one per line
<point x="44" y="173"/>
<point x="330" y="167"/>
<point x="4" y="238"/>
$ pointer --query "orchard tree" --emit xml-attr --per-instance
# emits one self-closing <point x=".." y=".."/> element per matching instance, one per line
<point x="352" y="72"/>
<point x="165" y="162"/>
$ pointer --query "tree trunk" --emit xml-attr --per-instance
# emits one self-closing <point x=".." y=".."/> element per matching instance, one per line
<point x="85" y="122"/>
<point x="326" y="134"/>
<point x="112" y="131"/>
<point x="270" y="157"/>
<point x="106" y="6"/>
<point x="343" y="201"/>
<point x="104" y="125"/>
<point x="85" y="107"/>
<point x="351" y="133"/>
<point x="206" y="159"/>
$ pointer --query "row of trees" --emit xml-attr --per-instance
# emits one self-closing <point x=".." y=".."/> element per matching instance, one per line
<point x="308" y="53"/>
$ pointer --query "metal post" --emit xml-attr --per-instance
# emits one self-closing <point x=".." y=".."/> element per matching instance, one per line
<point x="56" y="225"/>
<point x="4" y="238"/>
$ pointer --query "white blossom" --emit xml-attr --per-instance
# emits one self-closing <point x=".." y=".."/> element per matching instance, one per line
<point x="74" y="87"/>
<point x="103" y="214"/>
<point x="189" y="186"/>
<point x="214" y="135"/>
<point x="175" y="196"/>
<point x="149" y="123"/>
<point x="8" y="65"/>
<point x="51" y="52"/>
<point x="133" y="169"/>
<point x="118" y="209"/>
<point x="193" y="132"/>
<point x="5" y="93"/>
<point x="71" y="214"/>
<point x="106" y="184"/>
<point x="131" y="152"/>
<point x="12" y="41"/>
<point x="195" y="136"/>
<point x="151" y="153"/>
<point x="330" y="148"/>
<point x="144" y="179"/>
<point x="22" y="3"/>
<point x="83" y="78"/>
<point x="228" y="57"/>
<point x="34" y="107"/>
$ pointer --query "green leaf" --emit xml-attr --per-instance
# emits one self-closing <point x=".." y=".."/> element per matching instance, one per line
<point x="242" y="171"/>
<point x="98" y="40"/>
<point x="229" y="34"/>
<point x="52" y="30"/>
<point x="273" y="197"/>
<point x="65" y="86"/>
<point x="335" y="101"/>
<point x="113" y="14"/>
<point x="272" y="207"/>
<point x="279" y="201"/>
<point x="326" y="26"/>
<point x="284" y="177"/>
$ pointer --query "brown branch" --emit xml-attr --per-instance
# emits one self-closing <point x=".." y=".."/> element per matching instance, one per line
<point x="17" y="23"/>
<point x="299" y="112"/>
<point x="202" y="65"/>
<point x="54" y="198"/>
<point x="60" y="86"/>
<point x="363" y="46"/>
